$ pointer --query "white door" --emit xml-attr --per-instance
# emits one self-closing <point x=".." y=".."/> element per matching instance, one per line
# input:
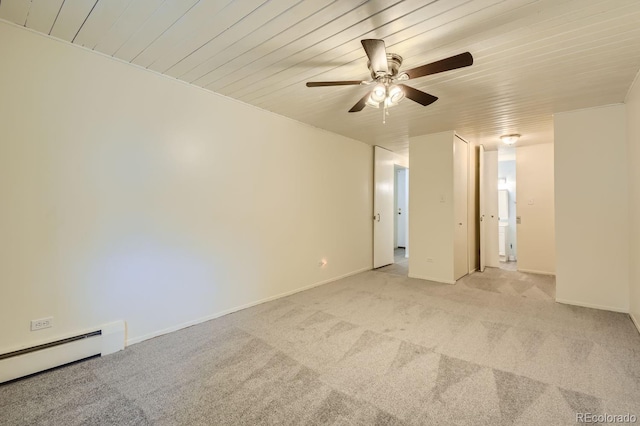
<point x="383" y="215"/>
<point x="460" y="187"/>
<point x="402" y="212"/>
<point x="490" y="192"/>
<point x="481" y="208"/>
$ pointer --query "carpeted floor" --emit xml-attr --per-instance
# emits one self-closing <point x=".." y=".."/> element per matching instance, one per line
<point x="373" y="349"/>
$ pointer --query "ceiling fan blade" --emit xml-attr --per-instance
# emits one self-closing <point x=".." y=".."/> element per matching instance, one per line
<point x="418" y="95"/>
<point x="334" y="83"/>
<point x="458" y="61"/>
<point x="377" y="54"/>
<point x="361" y="103"/>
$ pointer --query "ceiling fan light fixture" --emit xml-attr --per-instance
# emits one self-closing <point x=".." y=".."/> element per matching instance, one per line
<point x="371" y="103"/>
<point x="396" y="94"/>
<point x="378" y="93"/>
<point x="510" y="139"/>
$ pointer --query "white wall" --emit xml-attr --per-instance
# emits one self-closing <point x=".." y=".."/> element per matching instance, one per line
<point x="633" y="145"/>
<point x="431" y="219"/>
<point x="535" y="206"/>
<point x="592" y="208"/>
<point x="129" y="195"/>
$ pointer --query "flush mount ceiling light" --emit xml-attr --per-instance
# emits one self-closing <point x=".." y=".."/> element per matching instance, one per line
<point x="510" y="139"/>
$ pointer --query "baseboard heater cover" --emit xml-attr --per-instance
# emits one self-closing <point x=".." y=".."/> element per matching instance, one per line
<point x="23" y="362"/>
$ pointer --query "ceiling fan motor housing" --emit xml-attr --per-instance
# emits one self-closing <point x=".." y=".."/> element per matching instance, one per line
<point x="393" y="60"/>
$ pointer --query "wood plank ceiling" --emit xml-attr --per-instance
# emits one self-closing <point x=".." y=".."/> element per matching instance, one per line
<point x="532" y="58"/>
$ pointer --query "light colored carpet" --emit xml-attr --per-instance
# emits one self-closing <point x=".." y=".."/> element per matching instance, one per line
<point x="373" y="349"/>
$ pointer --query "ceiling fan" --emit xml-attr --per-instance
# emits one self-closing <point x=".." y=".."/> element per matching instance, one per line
<point x="385" y="76"/>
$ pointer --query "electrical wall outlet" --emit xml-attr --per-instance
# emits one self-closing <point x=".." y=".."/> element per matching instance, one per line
<point x="39" y="324"/>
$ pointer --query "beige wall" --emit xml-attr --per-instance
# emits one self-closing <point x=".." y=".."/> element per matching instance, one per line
<point x="534" y="193"/>
<point x="633" y="139"/>
<point x="131" y="196"/>
<point x="431" y="218"/>
<point x="592" y="208"/>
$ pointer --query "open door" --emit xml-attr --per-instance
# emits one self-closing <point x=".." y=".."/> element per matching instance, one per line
<point x="488" y="193"/>
<point x="460" y="205"/>
<point x="482" y="212"/>
<point x="383" y="203"/>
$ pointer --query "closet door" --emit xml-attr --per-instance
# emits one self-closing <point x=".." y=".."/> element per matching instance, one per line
<point x="460" y="184"/>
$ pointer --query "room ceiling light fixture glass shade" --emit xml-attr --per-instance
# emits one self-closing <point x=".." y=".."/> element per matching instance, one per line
<point x="395" y="95"/>
<point x="510" y="139"/>
<point x="371" y="103"/>
<point x="385" y="94"/>
<point x="379" y="93"/>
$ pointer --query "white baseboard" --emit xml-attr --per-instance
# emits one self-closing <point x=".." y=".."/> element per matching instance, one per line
<point x="437" y="280"/>
<point x="533" y="271"/>
<point x="139" y="339"/>
<point x="635" y="321"/>
<point x="593" y="306"/>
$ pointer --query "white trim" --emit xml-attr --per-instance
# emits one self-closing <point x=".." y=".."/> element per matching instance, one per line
<point x="593" y="306"/>
<point x="533" y="271"/>
<point x="437" y="280"/>
<point x="635" y="321"/>
<point x="151" y="335"/>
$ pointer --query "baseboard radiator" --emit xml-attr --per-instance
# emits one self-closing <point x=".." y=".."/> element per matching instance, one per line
<point x="107" y="339"/>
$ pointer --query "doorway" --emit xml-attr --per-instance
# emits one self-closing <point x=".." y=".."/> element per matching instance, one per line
<point x="507" y="215"/>
<point x="391" y="209"/>
<point x="401" y="219"/>
<point x="498" y="217"/>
